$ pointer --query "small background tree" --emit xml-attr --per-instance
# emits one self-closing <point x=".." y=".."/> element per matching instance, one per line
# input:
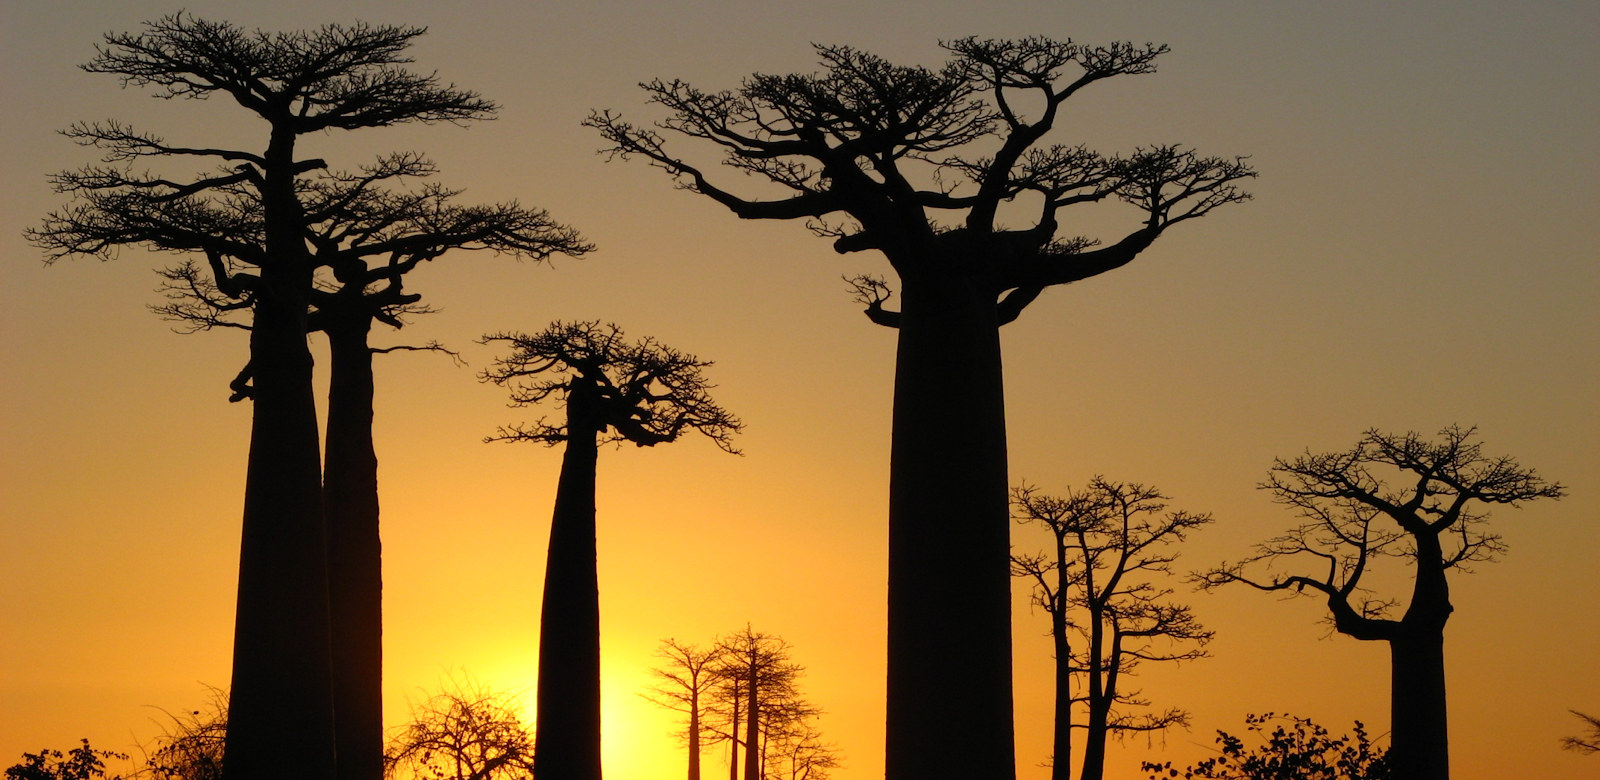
<point x="1101" y="582"/>
<point x="466" y="732"/>
<point x="1401" y="497"/>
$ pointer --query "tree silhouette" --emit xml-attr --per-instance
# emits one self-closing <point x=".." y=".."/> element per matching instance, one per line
<point x="257" y="210"/>
<point x="758" y="699"/>
<point x="687" y="677"/>
<point x="917" y="164"/>
<point x="191" y="745"/>
<point x="614" y="391"/>
<point x="1295" y="749"/>
<point x="1429" y="517"/>
<point x="465" y="733"/>
<point x="1588" y="743"/>
<point x="1095" y="582"/>
<point x="365" y="238"/>
<point x="79" y="763"/>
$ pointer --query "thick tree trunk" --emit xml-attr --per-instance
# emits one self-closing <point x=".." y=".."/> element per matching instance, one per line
<point x="567" y="740"/>
<point x="280" y="710"/>
<point x="1061" y="744"/>
<point x="949" y="675"/>
<point x="355" y="556"/>
<point x="1419" y="733"/>
<point x="280" y="713"/>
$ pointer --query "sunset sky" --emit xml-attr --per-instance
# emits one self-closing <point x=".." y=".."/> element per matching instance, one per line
<point x="1421" y="251"/>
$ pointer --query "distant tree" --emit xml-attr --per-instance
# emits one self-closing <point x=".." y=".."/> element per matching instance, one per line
<point x="1095" y="582"/>
<point x="1429" y="516"/>
<point x="297" y="83"/>
<point x="79" y="763"/>
<point x="464" y="733"/>
<point x="1296" y="749"/>
<point x="758" y="698"/>
<point x="1588" y="743"/>
<point x="365" y="237"/>
<point x="916" y="164"/>
<point x="800" y="754"/>
<point x="614" y="391"/>
<point x="191" y="745"/>
<point x="686" y="679"/>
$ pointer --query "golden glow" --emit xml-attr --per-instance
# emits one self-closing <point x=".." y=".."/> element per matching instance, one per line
<point x="1420" y="252"/>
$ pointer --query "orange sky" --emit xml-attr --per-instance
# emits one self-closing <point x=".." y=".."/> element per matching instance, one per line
<point x="1421" y="251"/>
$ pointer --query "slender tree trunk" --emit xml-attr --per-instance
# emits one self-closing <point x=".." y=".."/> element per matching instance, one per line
<point x="752" y="719"/>
<point x="949" y="665"/>
<point x="733" y="738"/>
<point x="280" y="710"/>
<point x="355" y="555"/>
<point x="694" y="729"/>
<point x="1100" y="697"/>
<point x="1061" y="745"/>
<point x="567" y="740"/>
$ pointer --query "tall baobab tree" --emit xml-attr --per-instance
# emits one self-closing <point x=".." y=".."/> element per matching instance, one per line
<point x="614" y="391"/>
<point x="365" y="237"/>
<point x="918" y="165"/>
<point x="1391" y="496"/>
<point x="296" y="83"/>
<point x="1111" y="543"/>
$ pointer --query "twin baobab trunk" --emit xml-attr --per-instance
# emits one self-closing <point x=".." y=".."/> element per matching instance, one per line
<point x="280" y="715"/>
<point x="949" y="538"/>
<point x="355" y="557"/>
<point x="567" y="742"/>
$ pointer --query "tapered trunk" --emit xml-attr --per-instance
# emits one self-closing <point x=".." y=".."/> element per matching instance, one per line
<point x="355" y="576"/>
<point x="567" y="740"/>
<point x="280" y="711"/>
<point x="752" y="732"/>
<point x="694" y="732"/>
<point x="949" y="666"/>
<point x="1419" y="734"/>
<point x="1061" y="743"/>
<point x="733" y="738"/>
<point x="1100" y="697"/>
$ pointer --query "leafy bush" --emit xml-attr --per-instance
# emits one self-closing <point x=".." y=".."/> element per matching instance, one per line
<point x="1295" y="749"/>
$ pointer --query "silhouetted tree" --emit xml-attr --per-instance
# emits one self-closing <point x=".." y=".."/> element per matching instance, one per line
<point x="800" y="754"/>
<point x="1428" y="516"/>
<point x="254" y="211"/>
<point x="687" y="677"/>
<point x="1110" y="539"/>
<point x="1588" y="743"/>
<point x="614" y="391"/>
<point x="916" y="164"/>
<point x="191" y="746"/>
<point x="364" y="237"/>
<point x="465" y="733"/>
<point x="79" y="763"/>
<point x="1295" y="750"/>
<point x="756" y="705"/>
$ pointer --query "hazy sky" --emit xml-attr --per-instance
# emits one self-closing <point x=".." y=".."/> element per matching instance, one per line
<point x="1421" y="251"/>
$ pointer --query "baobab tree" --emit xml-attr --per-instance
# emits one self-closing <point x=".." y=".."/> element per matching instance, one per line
<point x="255" y="211"/>
<point x="297" y="83"/>
<point x="1391" y="496"/>
<point x="365" y="237"/>
<point x="687" y="678"/>
<point x="1100" y="581"/>
<point x="917" y="165"/>
<point x="614" y="391"/>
